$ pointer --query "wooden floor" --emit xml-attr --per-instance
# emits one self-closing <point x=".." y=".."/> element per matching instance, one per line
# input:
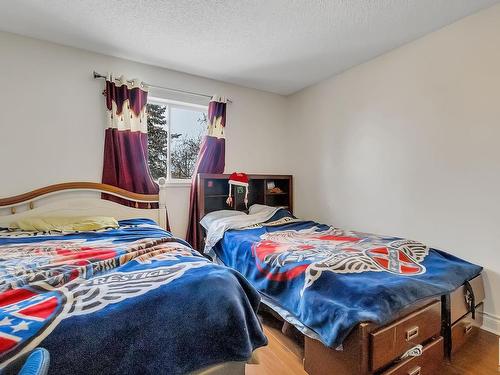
<point x="478" y="358"/>
<point x="282" y="356"/>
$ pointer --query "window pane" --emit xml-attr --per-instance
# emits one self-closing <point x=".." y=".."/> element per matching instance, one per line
<point x="187" y="128"/>
<point x="157" y="140"/>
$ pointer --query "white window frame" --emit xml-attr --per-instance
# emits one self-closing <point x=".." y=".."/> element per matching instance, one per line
<point x="177" y="104"/>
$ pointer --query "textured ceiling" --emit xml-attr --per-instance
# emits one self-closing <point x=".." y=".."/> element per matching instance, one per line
<point x="275" y="45"/>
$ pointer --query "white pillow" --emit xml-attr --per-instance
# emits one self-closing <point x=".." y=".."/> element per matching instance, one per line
<point x="209" y="218"/>
<point x="256" y="208"/>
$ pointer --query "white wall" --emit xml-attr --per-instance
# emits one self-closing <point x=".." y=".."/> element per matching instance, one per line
<point x="409" y="144"/>
<point x="52" y="118"/>
<point x="406" y="144"/>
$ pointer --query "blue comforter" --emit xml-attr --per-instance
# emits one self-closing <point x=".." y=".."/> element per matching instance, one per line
<point x="325" y="280"/>
<point x="131" y="300"/>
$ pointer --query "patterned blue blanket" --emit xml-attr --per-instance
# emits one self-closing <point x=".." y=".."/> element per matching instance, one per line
<point x="325" y="280"/>
<point x="131" y="300"/>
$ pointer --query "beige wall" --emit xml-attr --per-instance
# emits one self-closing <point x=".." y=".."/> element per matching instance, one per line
<point x="409" y="144"/>
<point x="52" y="118"/>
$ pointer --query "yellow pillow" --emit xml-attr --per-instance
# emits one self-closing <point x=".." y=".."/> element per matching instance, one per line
<point x="66" y="224"/>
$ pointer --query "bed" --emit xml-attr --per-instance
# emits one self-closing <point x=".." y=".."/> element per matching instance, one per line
<point x="129" y="299"/>
<point x="364" y="303"/>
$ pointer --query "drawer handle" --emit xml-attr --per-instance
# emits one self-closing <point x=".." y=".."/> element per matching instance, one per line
<point x="468" y="328"/>
<point x="416" y="351"/>
<point x="411" y="333"/>
<point x="415" y="371"/>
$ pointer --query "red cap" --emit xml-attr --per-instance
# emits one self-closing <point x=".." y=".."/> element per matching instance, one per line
<point x="240" y="179"/>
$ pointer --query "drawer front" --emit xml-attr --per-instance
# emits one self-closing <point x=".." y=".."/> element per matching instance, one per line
<point x="458" y="305"/>
<point x="465" y="328"/>
<point x="390" y="342"/>
<point x="426" y="364"/>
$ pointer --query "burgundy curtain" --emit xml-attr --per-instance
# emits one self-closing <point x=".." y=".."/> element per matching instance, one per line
<point x="211" y="159"/>
<point x="126" y="139"/>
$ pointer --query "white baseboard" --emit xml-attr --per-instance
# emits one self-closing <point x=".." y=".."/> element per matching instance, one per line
<point x="491" y="323"/>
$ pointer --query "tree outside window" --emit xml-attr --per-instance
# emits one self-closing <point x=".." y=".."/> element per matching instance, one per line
<point x="175" y="133"/>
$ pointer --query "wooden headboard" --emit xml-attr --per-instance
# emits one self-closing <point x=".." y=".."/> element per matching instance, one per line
<point x="213" y="190"/>
<point x="82" y="199"/>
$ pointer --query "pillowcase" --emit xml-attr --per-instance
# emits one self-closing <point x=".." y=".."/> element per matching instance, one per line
<point x="209" y="218"/>
<point x="256" y="208"/>
<point x="65" y="224"/>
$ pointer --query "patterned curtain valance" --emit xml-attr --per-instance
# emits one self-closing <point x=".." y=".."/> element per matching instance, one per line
<point x="217" y="117"/>
<point x="126" y="103"/>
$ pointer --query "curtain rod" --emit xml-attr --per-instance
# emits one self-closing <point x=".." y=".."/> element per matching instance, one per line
<point x="100" y="76"/>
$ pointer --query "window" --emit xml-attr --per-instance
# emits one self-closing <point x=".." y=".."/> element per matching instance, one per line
<point x="175" y="131"/>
